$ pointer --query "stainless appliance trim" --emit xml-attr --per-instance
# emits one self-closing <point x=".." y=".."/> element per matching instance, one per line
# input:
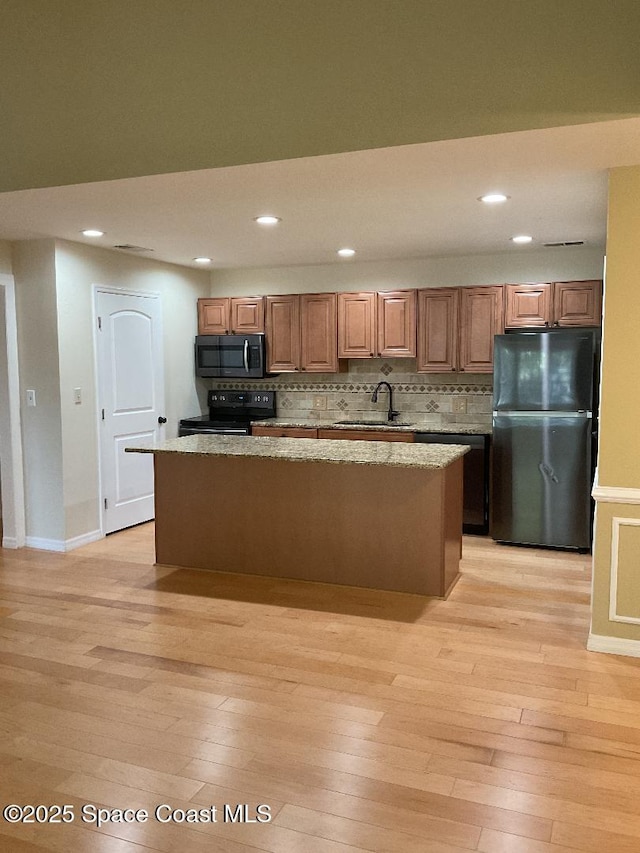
<point x="540" y="413"/>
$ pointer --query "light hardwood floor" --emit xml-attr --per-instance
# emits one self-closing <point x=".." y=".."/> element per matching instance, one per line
<point x="364" y="720"/>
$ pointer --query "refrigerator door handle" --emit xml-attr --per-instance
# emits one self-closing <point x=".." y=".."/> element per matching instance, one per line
<point x="541" y="414"/>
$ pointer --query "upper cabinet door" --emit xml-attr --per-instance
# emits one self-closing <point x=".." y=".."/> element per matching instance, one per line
<point x="527" y="305"/>
<point x="397" y="323"/>
<point x="577" y="303"/>
<point x="357" y="325"/>
<point x="283" y="333"/>
<point x="319" y="332"/>
<point x="438" y="330"/>
<point x="247" y="315"/>
<point x="481" y="317"/>
<point x="213" y="316"/>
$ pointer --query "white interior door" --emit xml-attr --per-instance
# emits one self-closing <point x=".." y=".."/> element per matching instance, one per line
<point x="131" y="401"/>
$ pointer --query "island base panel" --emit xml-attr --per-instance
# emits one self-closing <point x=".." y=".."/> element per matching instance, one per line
<point x="374" y="526"/>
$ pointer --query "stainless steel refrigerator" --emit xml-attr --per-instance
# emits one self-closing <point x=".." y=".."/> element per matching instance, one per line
<point x="544" y="437"/>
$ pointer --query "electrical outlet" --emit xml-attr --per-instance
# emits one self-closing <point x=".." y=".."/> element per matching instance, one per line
<point x="319" y="402"/>
<point x="459" y="405"/>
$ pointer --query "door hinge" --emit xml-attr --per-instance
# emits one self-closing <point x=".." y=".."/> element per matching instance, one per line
<point x="106" y="504"/>
<point x="103" y="414"/>
<point x="100" y="323"/>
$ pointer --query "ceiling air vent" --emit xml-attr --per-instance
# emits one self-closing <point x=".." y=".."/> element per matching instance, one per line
<point x="565" y="243"/>
<point x="127" y="247"/>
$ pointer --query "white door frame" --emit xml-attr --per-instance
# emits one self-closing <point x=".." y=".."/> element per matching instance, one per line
<point x="14" y="526"/>
<point x="118" y="291"/>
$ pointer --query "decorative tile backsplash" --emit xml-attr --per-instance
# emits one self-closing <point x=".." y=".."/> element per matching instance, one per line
<point x="435" y="398"/>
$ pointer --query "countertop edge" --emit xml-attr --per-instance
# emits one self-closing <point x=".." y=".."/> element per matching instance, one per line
<point x="448" y="429"/>
<point x="378" y="453"/>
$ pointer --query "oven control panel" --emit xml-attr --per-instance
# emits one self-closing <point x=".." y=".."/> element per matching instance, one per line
<point x="242" y="399"/>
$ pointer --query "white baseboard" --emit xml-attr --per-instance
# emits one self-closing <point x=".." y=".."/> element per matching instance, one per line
<point x="9" y="542"/>
<point x="62" y="545"/>
<point x="44" y="544"/>
<point x="613" y="646"/>
<point x="85" y="539"/>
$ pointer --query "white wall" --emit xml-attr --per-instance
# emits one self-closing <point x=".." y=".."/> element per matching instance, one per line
<point x="5" y="446"/>
<point x="11" y="471"/>
<point x="35" y="286"/>
<point x="54" y="297"/>
<point x="517" y="266"/>
<point x="78" y="269"/>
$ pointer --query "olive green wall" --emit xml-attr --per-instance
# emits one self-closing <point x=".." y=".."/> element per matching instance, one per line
<point x="616" y="586"/>
<point x="620" y="416"/>
<point x="5" y="257"/>
<point x="94" y="91"/>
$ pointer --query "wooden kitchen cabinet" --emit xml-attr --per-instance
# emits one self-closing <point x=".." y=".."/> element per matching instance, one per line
<point x="357" y="325"/>
<point x="527" y="305"/>
<point x="328" y="432"/>
<point x="247" y="315"/>
<point x="558" y="303"/>
<point x="456" y="326"/>
<point x="284" y="432"/>
<point x="302" y="333"/>
<point x="283" y="333"/>
<point x="397" y="324"/>
<point x="319" y="332"/>
<point x="437" y="345"/>
<point x="234" y="315"/>
<point x="577" y="303"/>
<point x="214" y="316"/>
<point x="373" y="324"/>
<point x="481" y="317"/>
<point x="365" y="435"/>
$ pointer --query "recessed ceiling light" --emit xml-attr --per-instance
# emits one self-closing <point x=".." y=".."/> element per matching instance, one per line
<point x="268" y="220"/>
<point x="92" y="232"/>
<point x="493" y="198"/>
<point x="202" y="260"/>
<point x="346" y="253"/>
<point x="521" y="238"/>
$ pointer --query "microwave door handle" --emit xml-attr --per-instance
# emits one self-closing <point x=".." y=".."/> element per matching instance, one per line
<point x="246" y="355"/>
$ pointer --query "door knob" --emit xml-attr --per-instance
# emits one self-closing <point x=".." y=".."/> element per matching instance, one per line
<point x="162" y="420"/>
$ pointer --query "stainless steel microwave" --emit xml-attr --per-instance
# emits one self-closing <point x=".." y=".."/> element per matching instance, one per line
<point x="230" y="356"/>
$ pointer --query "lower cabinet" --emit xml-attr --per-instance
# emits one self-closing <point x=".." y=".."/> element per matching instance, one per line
<point x="344" y="434"/>
<point x="285" y="432"/>
<point x="364" y="435"/>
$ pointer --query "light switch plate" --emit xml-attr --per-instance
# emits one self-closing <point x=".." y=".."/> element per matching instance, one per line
<point x="31" y="398"/>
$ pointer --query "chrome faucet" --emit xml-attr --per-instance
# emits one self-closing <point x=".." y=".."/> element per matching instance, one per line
<point x="374" y="399"/>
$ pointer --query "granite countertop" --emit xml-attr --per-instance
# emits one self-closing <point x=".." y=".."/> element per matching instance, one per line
<point x="404" y="426"/>
<point x="396" y="454"/>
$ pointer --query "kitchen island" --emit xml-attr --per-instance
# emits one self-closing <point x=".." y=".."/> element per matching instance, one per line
<point x="359" y="513"/>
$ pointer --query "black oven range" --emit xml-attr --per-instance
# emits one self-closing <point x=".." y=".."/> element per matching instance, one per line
<point x="231" y="413"/>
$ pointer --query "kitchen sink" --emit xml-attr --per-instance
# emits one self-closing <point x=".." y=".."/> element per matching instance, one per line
<point x="372" y="423"/>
